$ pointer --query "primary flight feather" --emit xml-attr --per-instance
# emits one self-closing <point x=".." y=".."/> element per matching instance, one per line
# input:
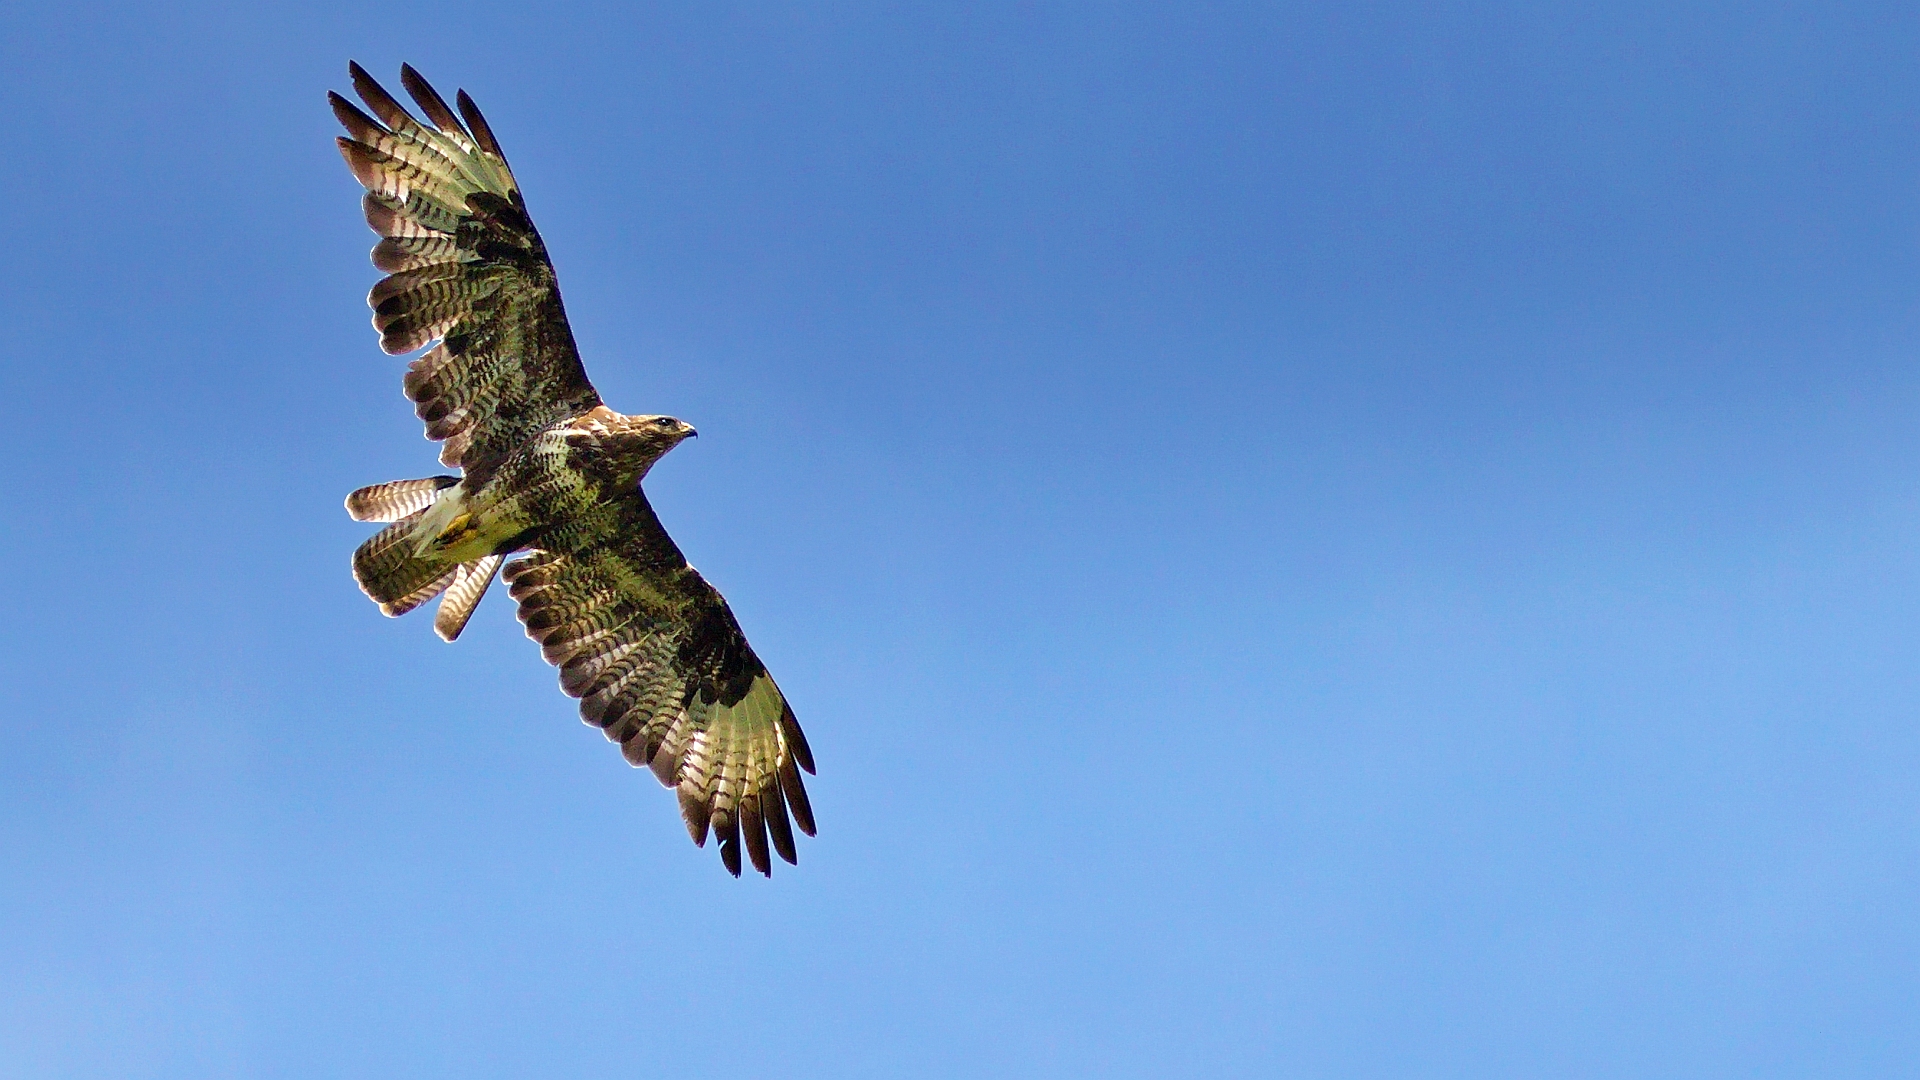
<point x="650" y="649"/>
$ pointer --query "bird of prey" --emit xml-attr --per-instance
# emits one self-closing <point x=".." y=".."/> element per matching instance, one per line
<point x="649" y="648"/>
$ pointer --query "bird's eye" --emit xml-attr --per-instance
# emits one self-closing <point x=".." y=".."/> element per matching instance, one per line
<point x="663" y="421"/>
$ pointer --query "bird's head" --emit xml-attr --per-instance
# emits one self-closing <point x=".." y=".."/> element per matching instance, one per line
<point x="664" y="432"/>
<point x="623" y="448"/>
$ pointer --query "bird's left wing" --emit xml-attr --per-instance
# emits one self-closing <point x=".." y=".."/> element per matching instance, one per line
<point x="465" y="266"/>
<point x="658" y="661"/>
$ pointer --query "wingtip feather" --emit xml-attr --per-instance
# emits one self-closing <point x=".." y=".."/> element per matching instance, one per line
<point x="753" y="830"/>
<point x="796" y="739"/>
<point x="727" y="829"/>
<point x="359" y="159"/>
<point x="390" y="111"/>
<point x="358" y="124"/>
<point x="796" y="795"/>
<point x="777" y="824"/>
<point x="431" y="103"/>
<point x="694" y="811"/>
<point x="476" y="123"/>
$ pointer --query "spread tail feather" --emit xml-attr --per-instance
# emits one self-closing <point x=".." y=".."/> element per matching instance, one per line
<point x="470" y="583"/>
<point x="396" y="499"/>
<point x="396" y="578"/>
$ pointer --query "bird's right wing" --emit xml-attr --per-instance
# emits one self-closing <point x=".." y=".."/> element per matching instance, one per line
<point x="658" y="661"/>
<point x="466" y="267"/>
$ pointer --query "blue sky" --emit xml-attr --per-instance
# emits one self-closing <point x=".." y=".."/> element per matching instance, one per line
<point x="1309" y="541"/>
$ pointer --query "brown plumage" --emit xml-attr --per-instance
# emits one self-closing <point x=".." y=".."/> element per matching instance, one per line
<point x="649" y="647"/>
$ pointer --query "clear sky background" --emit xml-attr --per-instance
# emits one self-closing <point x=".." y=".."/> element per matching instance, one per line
<point x="1309" y="541"/>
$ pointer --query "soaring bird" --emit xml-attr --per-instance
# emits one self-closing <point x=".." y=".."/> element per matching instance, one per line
<point x="548" y="472"/>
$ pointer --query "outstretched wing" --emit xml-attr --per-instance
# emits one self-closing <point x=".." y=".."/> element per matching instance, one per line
<point x="467" y="268"/>
<point x="659" y="662"/>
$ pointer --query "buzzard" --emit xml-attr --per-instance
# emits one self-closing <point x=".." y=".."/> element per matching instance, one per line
<point x="550" y="473"/>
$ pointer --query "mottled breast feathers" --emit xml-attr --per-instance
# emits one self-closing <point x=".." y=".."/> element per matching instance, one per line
<point x="647" y="645"/>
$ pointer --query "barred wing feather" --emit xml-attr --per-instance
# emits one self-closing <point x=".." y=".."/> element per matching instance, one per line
<point x="659" y="663"/>
<point x="466" y="268"/>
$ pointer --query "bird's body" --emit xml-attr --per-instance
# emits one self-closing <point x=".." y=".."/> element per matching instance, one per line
<point x="649" y="647"/>
<point x="559" y="490"/>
